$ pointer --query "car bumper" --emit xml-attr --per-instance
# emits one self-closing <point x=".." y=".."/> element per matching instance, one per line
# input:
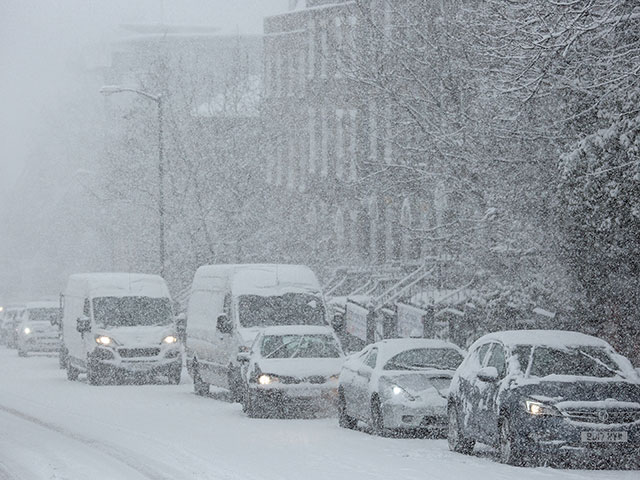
<point x="39" y="344"/>
<point x="162" y="363"/>
<point x="556" y="435"/>
<point x="323" y="394"/>
<point x="399" y="416"/>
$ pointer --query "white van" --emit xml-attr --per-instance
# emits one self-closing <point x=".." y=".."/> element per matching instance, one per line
<point x="230" y="304"/>
<point x="119" y="323"/>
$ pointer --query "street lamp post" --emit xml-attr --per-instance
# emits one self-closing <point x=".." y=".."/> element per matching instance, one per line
<point x="111" y="89"/>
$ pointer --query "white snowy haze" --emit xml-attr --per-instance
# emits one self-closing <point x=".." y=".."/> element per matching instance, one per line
<point x="52" y="53"/>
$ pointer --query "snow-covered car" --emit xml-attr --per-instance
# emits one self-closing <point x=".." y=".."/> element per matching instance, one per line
<point x="540" y="393"/>
<point x="36" y="331"/>
<point x="10" y="320"/>
<point x="290" y="367"/>
<point x="398" y="385"/>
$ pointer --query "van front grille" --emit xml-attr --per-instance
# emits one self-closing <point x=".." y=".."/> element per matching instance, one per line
<point x="138" y="352"/>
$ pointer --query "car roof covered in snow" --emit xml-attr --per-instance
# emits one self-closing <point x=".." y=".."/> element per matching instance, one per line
<point x="117" y="285"/>
<point x="551" y="338"/>
<point x="387" y="349"/>
<point x="42" y="304"/>
<point x="256" y="279"/>
<point x="298" y="330"/>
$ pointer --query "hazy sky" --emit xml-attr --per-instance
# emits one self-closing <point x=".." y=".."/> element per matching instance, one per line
<point x="38" y="38"/>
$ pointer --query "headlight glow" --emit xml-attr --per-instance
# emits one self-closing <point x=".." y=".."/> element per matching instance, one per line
<point x="27" y="330"/>
<point x="267" y="379"/>
<point x="398" y="391"/>
<point x="104" y="340"/>
<point x="538" y="409"/>
<point x="169" y="339"/>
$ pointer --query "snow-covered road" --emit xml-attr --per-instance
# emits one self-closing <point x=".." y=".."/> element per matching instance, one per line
<point x="51" y="428"/>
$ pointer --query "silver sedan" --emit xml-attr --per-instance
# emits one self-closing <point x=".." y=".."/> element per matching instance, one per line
<point x="398" y="385"/>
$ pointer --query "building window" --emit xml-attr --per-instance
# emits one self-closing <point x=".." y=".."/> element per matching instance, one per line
<point x="340" y="143"/>
<point x="312" y="48"/>
<point x="353" y="145"/>
<point x="313" y="155"/>
<point x="324" y="51"/>
<point x="373" y="132"/>
<point x="324" y="170"/>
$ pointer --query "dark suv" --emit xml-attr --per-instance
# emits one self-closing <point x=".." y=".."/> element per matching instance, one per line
<point x="536" y="393"/>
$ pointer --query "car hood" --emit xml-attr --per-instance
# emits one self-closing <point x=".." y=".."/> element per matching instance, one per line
<point x="301" y="367"/>
<point x="432" y="387"/>
<point x="582" y="390"/>
<point x="137" y="336"/>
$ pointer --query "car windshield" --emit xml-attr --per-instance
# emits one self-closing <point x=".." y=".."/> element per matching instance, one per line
<point x="287" y="309"/>
<point x="424" y="358"/>
<point x="131" y="311"/>
<point x="43" y="314"/>
<point x="299" y="346"/>
<point x="578" y="361"/>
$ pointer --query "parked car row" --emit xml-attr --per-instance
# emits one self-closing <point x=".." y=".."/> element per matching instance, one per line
<point x="263" y="332"/>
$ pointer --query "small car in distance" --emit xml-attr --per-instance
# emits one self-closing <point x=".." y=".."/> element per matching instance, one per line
<point x="291" y="367"/>
<point x="540" y="393"/>
<point x="398" y="385"/>
<point x="36" y="332"/>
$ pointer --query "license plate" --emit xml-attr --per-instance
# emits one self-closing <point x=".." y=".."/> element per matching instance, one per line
<point x="613" y="437"/>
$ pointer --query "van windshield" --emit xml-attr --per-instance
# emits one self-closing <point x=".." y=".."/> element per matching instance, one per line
<point x="131" y="311"/>
<point x="287" y="309"/>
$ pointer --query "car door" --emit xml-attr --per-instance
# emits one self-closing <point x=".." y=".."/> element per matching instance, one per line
<point x="362" y="384"/>
<point x="470" y="402"/>
<point x="219" y="355"/>
<point x="348" y="376"/>
<point x="489" y="394"/>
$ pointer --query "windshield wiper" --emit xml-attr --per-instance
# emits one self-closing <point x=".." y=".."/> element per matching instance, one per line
<point x="277" y="349"/>
<point x="601" y="363"/>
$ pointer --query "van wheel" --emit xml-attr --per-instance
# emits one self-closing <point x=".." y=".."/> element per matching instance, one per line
<point x="200" y="387"/>
<point x="255" y="407"/>
<point x="174" y="375"/>
<point x="455" y="436"/>
<point x="344" y="420"/>
<point x="234" y="385"/>
<point x="94" y="375"/>
<point x="72" y="372"/>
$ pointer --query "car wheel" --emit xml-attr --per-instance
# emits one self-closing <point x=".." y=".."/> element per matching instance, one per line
<point x="377" y="419"/>
<point x="21" y="353"/>
<point x="511" y="452"/>
<point x="200" y="387"/>
<point x="72" y="372"/>
<point x="254" y="405"/>
<point x="455" y="436"/>
<point x="174" y="375"/>
<point x="344" y="420"/>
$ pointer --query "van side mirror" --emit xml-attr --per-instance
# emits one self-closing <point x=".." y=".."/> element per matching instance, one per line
<point x="243" y="357"/>
<point x="224" y="324"/>
<point x="55" y="321"/>
<point x="488" y="374"/>
<point x="83" y="325"/>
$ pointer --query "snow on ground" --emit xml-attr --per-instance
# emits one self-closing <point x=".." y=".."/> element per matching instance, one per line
<point x="51" y="428"/>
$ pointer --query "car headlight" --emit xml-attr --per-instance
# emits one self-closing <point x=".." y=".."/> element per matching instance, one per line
<point x="105" y="341"/>
<point x="26" y="330"/>
<point x="265" y="379"/>
<point x="397" y="391"/>
<point x="540" y="409"/>
<point x="169" y="339"/>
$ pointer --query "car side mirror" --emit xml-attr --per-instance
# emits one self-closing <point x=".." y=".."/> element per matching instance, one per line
<point x="488" y="374"/>
<point x="55" y="321"/>
<point x="83" y="325"/>
<point x="243" y="357"/>
<point x="224" y="324"/>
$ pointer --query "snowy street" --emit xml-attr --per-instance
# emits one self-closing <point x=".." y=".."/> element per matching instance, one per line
<point x="51" y="428"/>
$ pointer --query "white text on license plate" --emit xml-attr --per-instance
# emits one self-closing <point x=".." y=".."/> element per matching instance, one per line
<point x="617" y="437"/>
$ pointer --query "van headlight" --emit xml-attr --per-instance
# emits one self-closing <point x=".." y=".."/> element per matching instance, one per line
<point x="540" y="409"/>
<point x="170" y="339"/>
<point x="105" y="341"/>
<point x="27" y="331"/>
<point x="265" y="379"/>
